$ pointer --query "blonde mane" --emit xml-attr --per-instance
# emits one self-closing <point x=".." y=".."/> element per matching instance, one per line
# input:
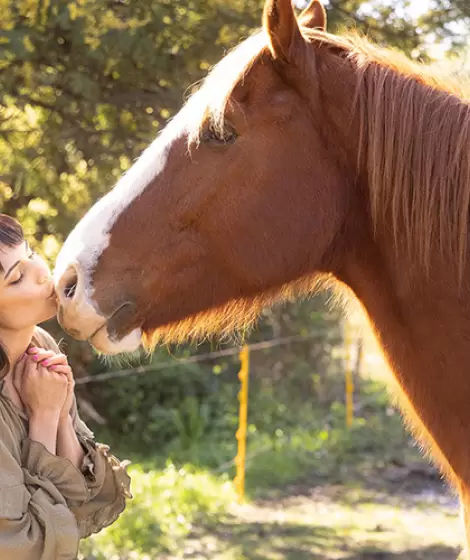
<point x="415" y="142"/>
<point x="208" y="103"/>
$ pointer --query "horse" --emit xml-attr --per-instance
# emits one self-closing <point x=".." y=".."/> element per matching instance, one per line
<point x="304" y="157"/>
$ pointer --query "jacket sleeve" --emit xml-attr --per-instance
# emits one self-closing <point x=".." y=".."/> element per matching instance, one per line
<point x="99" y="497"/>
<point x="108" y="484"/>
<point x="35" y="522"/>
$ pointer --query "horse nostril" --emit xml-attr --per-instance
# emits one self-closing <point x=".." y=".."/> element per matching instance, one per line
<point x="70" y="288"/>
<point x="68" y="285"/>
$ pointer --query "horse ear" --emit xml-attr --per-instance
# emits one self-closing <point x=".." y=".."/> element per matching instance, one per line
<point x="280" y="23"/>
<point x="314" y="16"/>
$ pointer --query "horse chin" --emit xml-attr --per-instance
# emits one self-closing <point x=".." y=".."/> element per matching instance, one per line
<point x="106" y="344"/>
<point x="226" y="322"/>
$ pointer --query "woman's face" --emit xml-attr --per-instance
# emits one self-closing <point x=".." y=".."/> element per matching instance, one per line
<point x="26" y="290"/>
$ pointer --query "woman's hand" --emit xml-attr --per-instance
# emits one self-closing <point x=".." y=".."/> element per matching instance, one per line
<point x="56" y="363"/>
<point x="42" y="391"/>
<point x="67" y="444"/>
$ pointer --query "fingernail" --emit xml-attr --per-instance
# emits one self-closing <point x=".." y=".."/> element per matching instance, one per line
<point x="35" y="358"/>
<point x="45" y="362"/>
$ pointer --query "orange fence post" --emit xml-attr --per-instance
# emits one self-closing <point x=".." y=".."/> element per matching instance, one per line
<point x="349" y="382"/>
<point x="242" y="426"/>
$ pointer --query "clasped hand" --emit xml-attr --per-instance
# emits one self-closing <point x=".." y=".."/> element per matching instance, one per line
<point x="43" y="382"/>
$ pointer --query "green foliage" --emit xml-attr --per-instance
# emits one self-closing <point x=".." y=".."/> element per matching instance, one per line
<point x="448" y="20"/>
<point x="149" y="411"/>
<point x="191" y="420"/>
<point x="289" y="435"/>
<point x="85" y="87"/>
<point x="166" y="506"/>
<point x="178" y="406"/>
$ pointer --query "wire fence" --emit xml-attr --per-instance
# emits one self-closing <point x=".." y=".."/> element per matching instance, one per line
<point x="176" y="362"/>
<point x="345" y="342"/>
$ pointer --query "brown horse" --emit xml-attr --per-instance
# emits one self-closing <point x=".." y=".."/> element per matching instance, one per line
<point x="303" y="156"/>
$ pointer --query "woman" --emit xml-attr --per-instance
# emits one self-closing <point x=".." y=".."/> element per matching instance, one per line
<point x="56" y="484"/>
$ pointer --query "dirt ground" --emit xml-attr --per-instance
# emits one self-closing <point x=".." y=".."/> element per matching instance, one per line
<point x="399" y="515"/>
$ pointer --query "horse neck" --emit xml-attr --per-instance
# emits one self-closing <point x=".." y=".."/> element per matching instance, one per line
<point x="423" y="325"/>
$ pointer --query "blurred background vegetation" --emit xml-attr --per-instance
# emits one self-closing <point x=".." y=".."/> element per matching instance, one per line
<point x="85" y="85"/>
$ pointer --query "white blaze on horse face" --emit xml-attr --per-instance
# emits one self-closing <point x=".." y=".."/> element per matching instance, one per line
<point x="86" y="243"/>
<point x="90" y="238"/>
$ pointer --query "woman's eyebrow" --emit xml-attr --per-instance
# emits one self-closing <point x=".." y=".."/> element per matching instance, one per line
<point x="11" y="269"/>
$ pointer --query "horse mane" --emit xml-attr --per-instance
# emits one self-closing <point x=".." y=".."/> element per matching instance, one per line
<point x="414" y="140"/>
<point x="208" y="103"/>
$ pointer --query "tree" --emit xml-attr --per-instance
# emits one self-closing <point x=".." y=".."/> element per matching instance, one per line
<point x="383" y="22"/>
<point x="448" y="21"/>
<point x="86" y="85"/>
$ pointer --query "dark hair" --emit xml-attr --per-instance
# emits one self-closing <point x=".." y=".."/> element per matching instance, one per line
<point x="11" y="232"/>
<point x="11" y="235"/>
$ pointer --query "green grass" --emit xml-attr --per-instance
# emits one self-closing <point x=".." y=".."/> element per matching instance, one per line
<point x="165" y="507"/>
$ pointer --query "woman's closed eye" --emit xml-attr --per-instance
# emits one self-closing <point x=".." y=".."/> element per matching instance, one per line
<point x="31" y="255"/>
<point x="18" y="280"/>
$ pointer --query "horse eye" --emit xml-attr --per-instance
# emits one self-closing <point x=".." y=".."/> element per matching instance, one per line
<point x="223" y="137"/>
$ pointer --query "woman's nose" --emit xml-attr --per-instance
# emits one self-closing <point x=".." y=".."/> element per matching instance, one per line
<point x="43" y="275"/>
